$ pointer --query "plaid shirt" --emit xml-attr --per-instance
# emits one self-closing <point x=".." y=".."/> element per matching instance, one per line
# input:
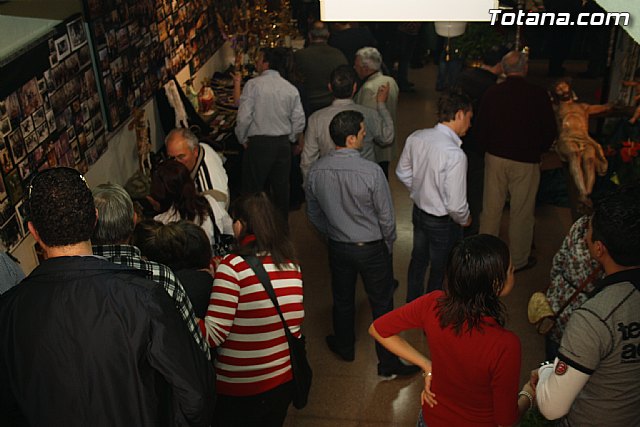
<point x="130" y="256"/>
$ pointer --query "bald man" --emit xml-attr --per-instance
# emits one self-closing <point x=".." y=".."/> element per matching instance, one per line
<point x="516" y="124"/>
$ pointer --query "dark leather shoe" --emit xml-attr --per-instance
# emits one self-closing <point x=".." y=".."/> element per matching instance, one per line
<point x="401" y="370"/>
<point x="531" y="262"/>
<point x="347" y="356"/>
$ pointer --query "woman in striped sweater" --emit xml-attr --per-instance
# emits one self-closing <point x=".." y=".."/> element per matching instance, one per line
<point x="253" y="362"/>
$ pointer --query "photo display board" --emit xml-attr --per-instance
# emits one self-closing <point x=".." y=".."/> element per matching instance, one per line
<point x="49" y="116"/>
<point x="140" y="44"/>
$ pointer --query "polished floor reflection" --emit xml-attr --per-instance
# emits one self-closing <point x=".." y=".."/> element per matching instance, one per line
<point x="349" y="394"/>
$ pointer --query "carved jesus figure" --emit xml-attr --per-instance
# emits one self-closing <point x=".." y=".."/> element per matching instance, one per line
<point x="574" y="145"/>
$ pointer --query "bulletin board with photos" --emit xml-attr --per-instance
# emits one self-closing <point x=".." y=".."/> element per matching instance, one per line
<point x="49" y="116"/>
<point x="140" y="44"/>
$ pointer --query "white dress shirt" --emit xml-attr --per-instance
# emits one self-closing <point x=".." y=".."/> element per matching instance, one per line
<point x="434" y="169"/>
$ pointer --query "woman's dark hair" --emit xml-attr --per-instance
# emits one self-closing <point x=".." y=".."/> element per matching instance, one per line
<point x="476" y="271"/>
<point x="260" y="218"/>
<point x="179" y="245"/>
<point x="171" y="185"/>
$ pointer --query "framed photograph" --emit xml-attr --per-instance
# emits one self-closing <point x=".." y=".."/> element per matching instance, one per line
<point x="13" y="184"/>
<point x="25" y="169"/>
<point x="76" y="33"/>
<point x="3" y="108"/>
<point x="26" y="126"/>
<point x="63" y="48"/>
<point x="16" y="144"/>
<point x="43" y="133"/>
<point x="30" y="97"/>
<point x="71" y="133"/>
<point x="10" y="233"/>
<point x="51" y="120"/>
<point x="5" y="126"/>
<point x="42" y="85"/>
<point x="3" y="190"/>
<point x="31" y="141"/>
<point x="5" y="160"/>
<point x="39" y="117"/>
<point x="6" y="210"/>
<point x="84" y="57"/>
<point x="13" y="106"/>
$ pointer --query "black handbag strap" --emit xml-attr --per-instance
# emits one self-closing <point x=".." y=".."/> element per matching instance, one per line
<point x="262" y="274"/>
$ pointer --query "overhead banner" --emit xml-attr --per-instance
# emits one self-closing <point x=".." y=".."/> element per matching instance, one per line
<point x="406" y="10"/>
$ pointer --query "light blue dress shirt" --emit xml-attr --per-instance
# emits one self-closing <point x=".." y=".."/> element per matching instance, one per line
<point x="434" y="169"/>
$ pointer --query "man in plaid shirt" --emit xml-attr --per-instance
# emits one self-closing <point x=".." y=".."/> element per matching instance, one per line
<point x="116" y="221"/>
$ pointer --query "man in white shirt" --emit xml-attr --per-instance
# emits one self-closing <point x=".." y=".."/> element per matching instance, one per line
<point x="433" y="167"/>
<point x="204" y="164"/>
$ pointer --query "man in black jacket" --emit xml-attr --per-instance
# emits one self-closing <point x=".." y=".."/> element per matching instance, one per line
<point x="87" y="342"/>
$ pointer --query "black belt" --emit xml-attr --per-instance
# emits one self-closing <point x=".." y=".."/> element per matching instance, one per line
<point x="373" y="242"/>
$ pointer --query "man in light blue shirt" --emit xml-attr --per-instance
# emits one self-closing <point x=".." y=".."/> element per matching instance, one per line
<point x="349" y="201"/>
<point x="270" y="118"/>
<point x="433" y="167"/>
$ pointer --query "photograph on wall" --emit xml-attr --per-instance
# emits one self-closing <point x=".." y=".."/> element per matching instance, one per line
<point x="16" y="145"/>
<point x="13" y="106"/>
<point x="38" y="117"/>
<point x="3" y="190"/>
<point x="75" y="31"/>
<point x="25" y="168"/>
<point x="63" y="48"/>
<point x="13" y="185"/>
<point x="5" y="126"/>
<point x="30" y="97"/>
<point x="5" y="160"/>
<point x="10" y="233"/>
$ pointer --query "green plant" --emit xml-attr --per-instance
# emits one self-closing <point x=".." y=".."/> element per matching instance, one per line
<point x="477" y="39"/>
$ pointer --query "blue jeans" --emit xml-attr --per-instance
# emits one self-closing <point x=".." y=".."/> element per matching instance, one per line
<point x="421" y="422"/>
<point x="433" y="238"/>
<point x="372" y="262"/>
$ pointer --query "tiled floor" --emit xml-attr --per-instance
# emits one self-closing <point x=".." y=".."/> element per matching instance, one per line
<point x="351" y="394"/>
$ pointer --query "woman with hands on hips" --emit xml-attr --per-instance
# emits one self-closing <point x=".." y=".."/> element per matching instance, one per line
<point x="473" y="375"/>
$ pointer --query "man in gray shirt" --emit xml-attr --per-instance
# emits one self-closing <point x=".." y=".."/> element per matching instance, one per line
<point x="377" y="122"/>
<point x="349" y="201"/>
<point x="594" y="379"/>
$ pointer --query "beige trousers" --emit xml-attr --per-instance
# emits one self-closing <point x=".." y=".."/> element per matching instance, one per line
<point x="520" y="180"/>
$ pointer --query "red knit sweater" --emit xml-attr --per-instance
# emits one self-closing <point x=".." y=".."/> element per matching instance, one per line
<point x="252" y="350"/>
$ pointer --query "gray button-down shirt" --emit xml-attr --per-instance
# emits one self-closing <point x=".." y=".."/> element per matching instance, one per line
<point x="348" y="199"/>
<point x="269" y="106"/>
<point x="317" y="140"/>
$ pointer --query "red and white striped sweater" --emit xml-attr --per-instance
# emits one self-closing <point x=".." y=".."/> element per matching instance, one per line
<point x="244" y="326"/>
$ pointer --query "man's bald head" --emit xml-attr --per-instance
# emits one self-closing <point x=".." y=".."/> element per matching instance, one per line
<point x="514" y="63"/>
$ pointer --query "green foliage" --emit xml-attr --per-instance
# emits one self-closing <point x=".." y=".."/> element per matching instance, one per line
<point x="477" y="38"/>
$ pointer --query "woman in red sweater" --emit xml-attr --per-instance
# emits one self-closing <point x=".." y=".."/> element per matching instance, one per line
<point x="253" y="366"/>
<point x="472" y="379"/>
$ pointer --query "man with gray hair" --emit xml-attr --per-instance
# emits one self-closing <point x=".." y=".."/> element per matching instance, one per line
<point x="315" y="63"/>
<point x="204" y="164"/>
<point x="111" y="237"/>
<point x="516" y="124"/>
<point x="367" y="66"/>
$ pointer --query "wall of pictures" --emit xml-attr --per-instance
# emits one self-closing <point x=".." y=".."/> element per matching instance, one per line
<point x="49" y="116"/>
<point x="140" y="44"/>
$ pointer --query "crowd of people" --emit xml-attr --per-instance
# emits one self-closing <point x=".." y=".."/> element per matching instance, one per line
<point x="156" y="321"/>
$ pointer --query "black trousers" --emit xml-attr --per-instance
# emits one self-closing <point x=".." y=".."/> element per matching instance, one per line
<point x="268" y="409"/>
<point x="266" y="166"/>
